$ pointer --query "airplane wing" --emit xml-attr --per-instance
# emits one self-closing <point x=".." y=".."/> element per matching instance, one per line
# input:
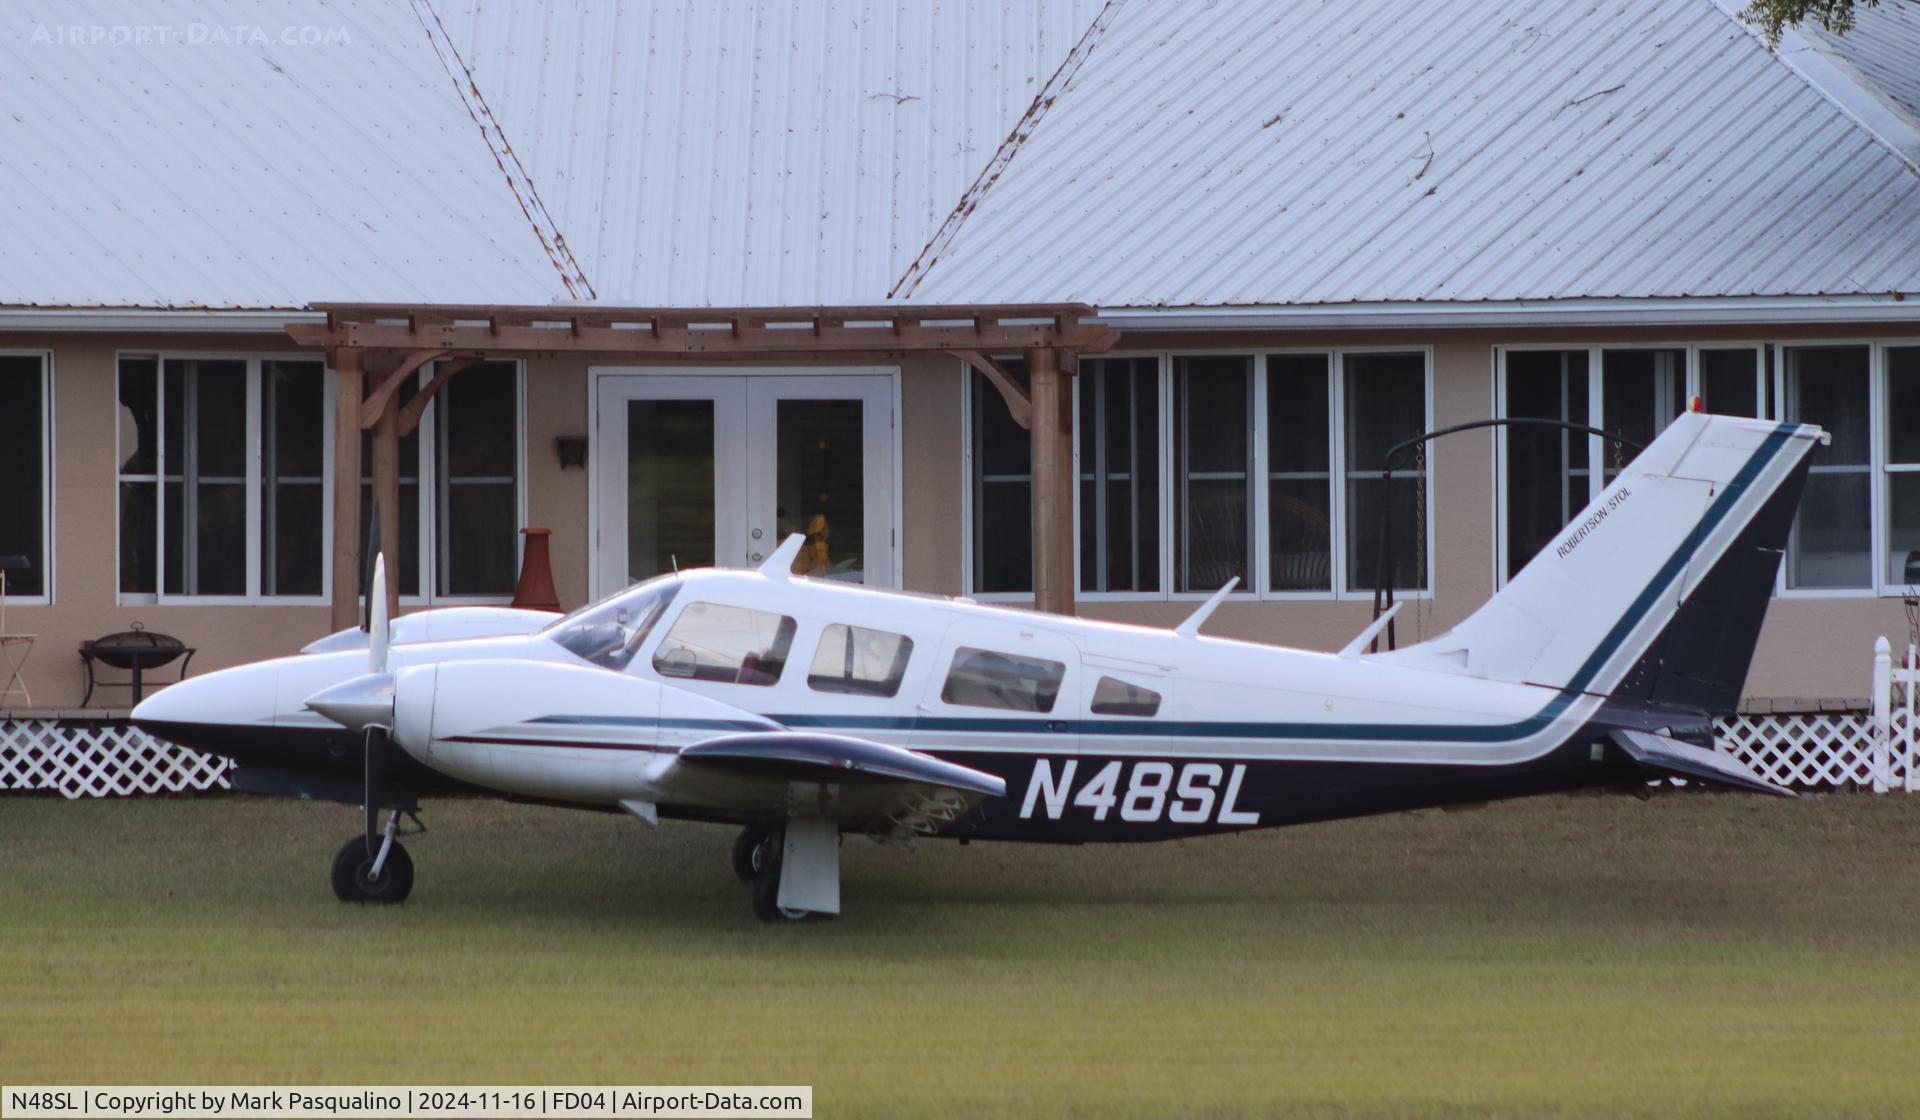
<point x="1673" y="758"/>
<point x="888" y="791"/>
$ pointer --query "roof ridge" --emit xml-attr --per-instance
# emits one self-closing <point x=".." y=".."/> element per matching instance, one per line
<point x="552" y="240"/>
<point x="1840" y="84"/>
<point x="936" y="245"/>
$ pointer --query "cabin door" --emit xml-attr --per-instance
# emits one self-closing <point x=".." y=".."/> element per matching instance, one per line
<point x="698" y="469"/>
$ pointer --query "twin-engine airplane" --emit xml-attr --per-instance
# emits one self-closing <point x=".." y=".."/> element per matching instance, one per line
<point x="805" y="709"/>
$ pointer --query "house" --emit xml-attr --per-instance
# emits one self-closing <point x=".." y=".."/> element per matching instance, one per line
<point x="1242" y="248"/>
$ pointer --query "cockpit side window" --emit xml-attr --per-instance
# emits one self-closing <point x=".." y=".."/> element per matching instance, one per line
<point x="609" y="632"/>
<point x="981" y="678"/>
<point x="1114" y="697"/>
<point x="860" y="661"/>
<point x="732" y="645"/>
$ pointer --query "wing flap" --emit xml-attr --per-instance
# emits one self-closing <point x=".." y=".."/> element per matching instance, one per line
<point x="1684" y="760"/>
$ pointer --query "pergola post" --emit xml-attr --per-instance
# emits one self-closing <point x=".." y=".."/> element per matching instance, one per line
<point x="1052" y="396"/>
<point x="347" y="370"/>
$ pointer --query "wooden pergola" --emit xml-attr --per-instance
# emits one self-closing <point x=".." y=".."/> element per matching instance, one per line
<point x="375" y="348"/>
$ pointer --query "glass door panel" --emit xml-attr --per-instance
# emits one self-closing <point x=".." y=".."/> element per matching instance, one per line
<point x="670" y="486"/>
<point x="819" y="486"/>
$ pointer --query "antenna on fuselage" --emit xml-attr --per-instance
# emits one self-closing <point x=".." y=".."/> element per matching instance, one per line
<point x="1191" y="627"/>
<point x="780" y="565"/>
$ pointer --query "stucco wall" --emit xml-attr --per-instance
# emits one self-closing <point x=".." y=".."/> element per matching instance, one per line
<point x="1811" y="648"/>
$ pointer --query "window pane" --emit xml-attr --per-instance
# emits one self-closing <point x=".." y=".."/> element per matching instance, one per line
<point x="670" y="486"/>
<point x="1640" y="395"/>
<point x="138" y="537"/>
<point x="1213" y="465"/>
<point x="1903" y="404"/>
<point x="23" y="450"/>
<point x="1729" y="384"/>
<point x="1545" y="467"/>
<point x="1002" y="491"/>
<point x="292" y="405"/>
<point x="1300" y="473"/>
<point x="1118" y="698"/>
<point x="206" y="465"/>
<point x="609" y="633"/>
<point x="478" y="434"/>
<point x="139" y="415"/>
<point x="860" y="661"/>
<point x="1903" y="530"/>
<point x="1386" y="404"/>
<point x="478" y="547"/>
<point x="733" y="645"/>
<point x="819" y="486"/>
<point x="1119" y="424"/>
<point x="983" y="679"/>
<point x="1831" y="546"/>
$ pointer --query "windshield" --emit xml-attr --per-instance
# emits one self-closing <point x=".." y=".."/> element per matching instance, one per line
<point x="608" y="632"/>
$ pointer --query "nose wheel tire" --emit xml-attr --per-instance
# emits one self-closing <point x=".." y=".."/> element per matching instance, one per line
<point x="750" y="852"/>
<point x="353" y="879"/>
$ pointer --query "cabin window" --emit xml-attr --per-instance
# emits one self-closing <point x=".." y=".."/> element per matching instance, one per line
<point x="981" y="678"/>
<point x="1113" y="697"/>
<point x="732" y="645"/>
<point x="856" y="660"/>
<point x="610" y="632"/>
<point x="1119" y="453"/>
<point x="23" y="464"/>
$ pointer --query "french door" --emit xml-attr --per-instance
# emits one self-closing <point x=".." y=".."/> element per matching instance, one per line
<point x="697" y="469"/>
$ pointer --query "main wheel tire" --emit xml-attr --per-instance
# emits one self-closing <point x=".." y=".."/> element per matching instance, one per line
<point x="766" y="888"/>
<point x="750" y="851"/>
<point x="353" y="880"/>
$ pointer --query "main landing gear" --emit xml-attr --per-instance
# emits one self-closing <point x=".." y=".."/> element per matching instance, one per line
<point x="759" y="858"/>
<point x="384" y="875"/>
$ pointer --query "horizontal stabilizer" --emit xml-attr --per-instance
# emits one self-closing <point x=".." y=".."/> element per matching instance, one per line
<point x="1684" y="760"/>
<point x="804" y="756"/>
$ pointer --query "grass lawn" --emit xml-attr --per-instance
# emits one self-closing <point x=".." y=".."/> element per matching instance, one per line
<point x="1573" y="956"/>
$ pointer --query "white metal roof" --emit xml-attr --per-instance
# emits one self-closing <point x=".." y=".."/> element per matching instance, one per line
<point x="1246" y="152"/>
<point x="757" y="152"/>
<point x="186" y="156"/>
<point x="1884" y="47"/>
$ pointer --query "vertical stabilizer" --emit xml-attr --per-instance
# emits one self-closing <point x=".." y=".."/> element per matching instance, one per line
<point x="1657" y="589"/>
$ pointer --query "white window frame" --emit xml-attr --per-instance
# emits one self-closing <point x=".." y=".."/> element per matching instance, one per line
<point x="1258" y="527"/>
<point x="252" y="596"/>
<point x="1770" y="393"/>
<point x="47" y="461"/>
<point x="430" y="483"/>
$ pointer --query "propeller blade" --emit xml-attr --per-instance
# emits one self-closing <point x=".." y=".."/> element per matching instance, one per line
<point x="366" y="570"/>
<point x="379" y="626"/>
<point x="376" y="778"/>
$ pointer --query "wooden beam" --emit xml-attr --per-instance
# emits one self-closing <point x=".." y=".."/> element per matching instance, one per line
<point x="386" y="495"/>
<point x="1053" y="589"/>
<point x="720" y="331"/>
<point x="1019" y="400"/>
<point x="376" y="402"/>
<point x="409" y="416"/>
<point x="346" y="487"/>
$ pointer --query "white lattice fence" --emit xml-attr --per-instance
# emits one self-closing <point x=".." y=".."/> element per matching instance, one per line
<point x="1814" y="750"/>
<point x="99" y="760"/>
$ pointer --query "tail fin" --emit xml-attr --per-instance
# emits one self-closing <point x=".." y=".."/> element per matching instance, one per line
<point x="1656" y="591"/>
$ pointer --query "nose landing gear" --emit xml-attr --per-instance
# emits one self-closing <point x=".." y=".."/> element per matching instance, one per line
<point x="383" y="875"/>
